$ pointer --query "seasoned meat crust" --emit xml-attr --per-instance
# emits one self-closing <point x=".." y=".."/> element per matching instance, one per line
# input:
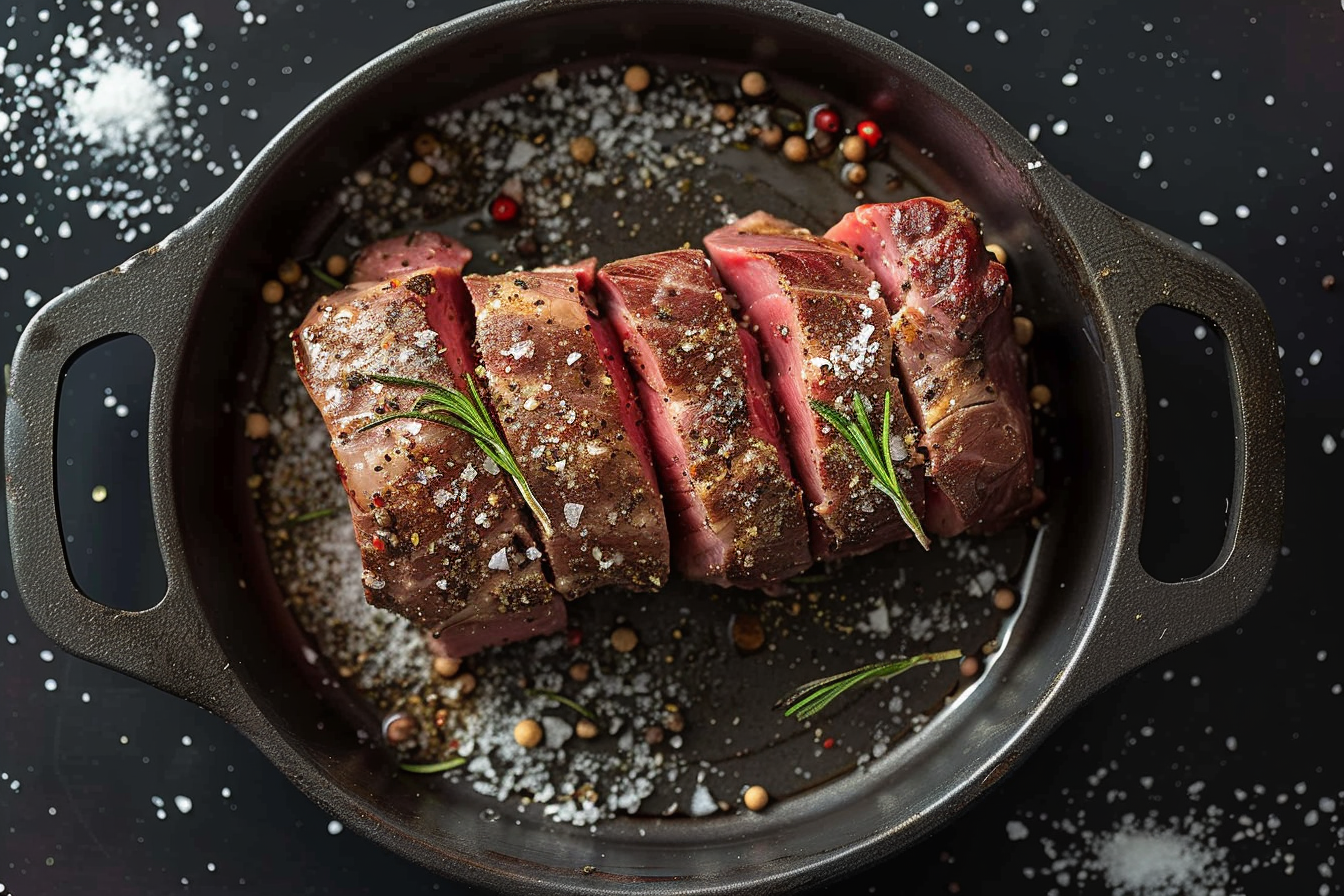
<point x="737" y="515"/>
<point x="566" y="408"/>
<point x="441" y="535"/>
<point x="952" y="326"/>
<point x="824" y="327"/>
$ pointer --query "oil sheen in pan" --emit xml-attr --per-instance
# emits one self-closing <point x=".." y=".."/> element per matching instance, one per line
<point x="896" y="601"/>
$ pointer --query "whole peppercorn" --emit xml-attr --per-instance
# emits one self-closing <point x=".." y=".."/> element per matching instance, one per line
<point x="446" y="666"/>
<point x="528" y="733"/>
<point x="853" y="148"/>
<point x="337" y="265"/>
<point x="856" y="173"/>
<point x="399" y="729"/>
<point x="869" y="132"/>
<point x="624" y="639"/>
<point x="289" y="272"/>
<point x="653" y="735"/>
<point x="582" y="149"/>
<point x="256" y="426"/>
<point x="637" y="78"/>
<point x="771" y="136"/>
<point x="754" y="84"/>
<point x="272" y="291"/>
<point x="827" y="120"/>
<point x="504" y="208"/>
<point x="586" y="729"/>
<point x="425" y="145"/>
<point x="796" y="149"/>
<point x="724" y="112"/>
<point x="419" y="173"/>
<point x="1023" y="330"/>
<point x="1004" y="598"/>
<point x="580" y="672"/>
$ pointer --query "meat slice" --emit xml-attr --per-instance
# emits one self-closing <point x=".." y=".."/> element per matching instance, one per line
<point x="952" y="326"/>
<point x="823" y="325"/>
<point x="440" y="531"/>
<point x="567" y="409"/>
<point x="400" y="255"/>
<point x="735" y="511"/>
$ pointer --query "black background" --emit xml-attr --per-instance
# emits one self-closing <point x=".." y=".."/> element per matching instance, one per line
<point x="82" y="820"/>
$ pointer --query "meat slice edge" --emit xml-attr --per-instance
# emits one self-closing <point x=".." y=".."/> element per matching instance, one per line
<point x="398" y="256"/>
<point x="567" y="410"/>
<point x="735" y="512"/>
<point x="824" y="329"/>
<point x="952" y="325"/>
<point x="442" y="539"/>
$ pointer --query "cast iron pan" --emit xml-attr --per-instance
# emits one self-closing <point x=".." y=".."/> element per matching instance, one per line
<point x="220" y="636"/>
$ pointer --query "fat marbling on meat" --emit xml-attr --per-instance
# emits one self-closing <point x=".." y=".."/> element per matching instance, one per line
<point x="440" y="530"/>
<point x="952" y="330"/>
<point x="823" y="326"/>
<point x="736" y="514"/>
<point x="566" y="407"/>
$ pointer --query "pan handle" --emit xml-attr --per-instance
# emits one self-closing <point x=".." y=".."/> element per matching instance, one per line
<point x="168" y="645"/>
<point x="1136" y="268"/>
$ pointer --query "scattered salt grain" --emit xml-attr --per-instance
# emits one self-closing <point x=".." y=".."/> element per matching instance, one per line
<point x="115" y="104"/>
<point x="1069" y="79"/>
<point x="1060" y="128"/>
<point x="183" y="803"/>
<point x="1328" y="443"/>
<point x="1157" y="863"/>
<point x="1208" y="219"/>
<point x="334" y="827"/>
<point x="1017" y="830"/>
<point x="1243" y="211"/>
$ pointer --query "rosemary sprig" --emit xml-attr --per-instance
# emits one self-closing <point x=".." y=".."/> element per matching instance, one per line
<point x="876" y="456"/>
<point x="325" y="277"/>
<point x="311" y="515"/>
<point x="563" y="701"/>
<point x="450" y="407"/>
<point x="434" y="768"/>
<point x="809" y="699"/>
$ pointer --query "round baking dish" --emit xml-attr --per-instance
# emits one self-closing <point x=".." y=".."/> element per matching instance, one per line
<point x="1091" y="614"/>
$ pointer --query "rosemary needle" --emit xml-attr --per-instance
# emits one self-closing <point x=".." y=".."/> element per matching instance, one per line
<point x="325" y="277"/>
<point x="809" y="699"/>
<point x="563" y="701"/>
<point x="311" y="515"/>
<point x="450" y="407"/>
<point x="875" y="456"/>
<point x="433" y="767"/>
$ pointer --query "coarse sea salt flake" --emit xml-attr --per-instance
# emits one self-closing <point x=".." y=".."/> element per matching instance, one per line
<point x="500" y="560"/>
<point x="572" y="514"/>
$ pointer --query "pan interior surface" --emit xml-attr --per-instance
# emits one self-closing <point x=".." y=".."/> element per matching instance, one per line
<point x="963" y="748"/>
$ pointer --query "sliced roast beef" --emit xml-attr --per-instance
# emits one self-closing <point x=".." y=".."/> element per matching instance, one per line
<point x="823" y="325"/>
<point x="735" y="512"/>
<point x="952" y="327"/>
<point x="566" y="407"/>
<point x="440" y="531"/>
<point x="400" y="255"/>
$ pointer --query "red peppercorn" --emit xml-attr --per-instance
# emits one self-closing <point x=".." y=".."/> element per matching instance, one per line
<point x="504" y="208"/>
<point x="379" y="544"/>
<point x="870" y="132"/>
<point x="827" y="120"/>
<point x="378" y="501"/>
<point x="828" y="743"/>
<point x="574" y="637"/>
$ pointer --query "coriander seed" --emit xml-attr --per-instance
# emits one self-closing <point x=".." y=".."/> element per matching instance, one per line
<point x="446" y="666"/>
<point x="756" y="798"/>
<point x="528" y="733"/>
<point x="1023" y="330"/>
<point x="289" y="272"/>
<point x="582" y="149"/>
<point x="796" y="149"/>
<point x="754" y="84"/>
<point x="256" y="426"/>
<point x="337" y="265"/>
<point x="624" y="639"/>
<point x="853" y="148"/>
<point x="272" y="291"/>
<point x="637" y="78"/>
<point x="586" y="729"/>
<point x="419" y="173"/>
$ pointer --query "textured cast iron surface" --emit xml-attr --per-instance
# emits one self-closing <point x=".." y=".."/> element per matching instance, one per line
<point x="1092" y="274"/>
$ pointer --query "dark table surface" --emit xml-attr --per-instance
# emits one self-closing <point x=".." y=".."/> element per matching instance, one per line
<point x="1232" y="741"/>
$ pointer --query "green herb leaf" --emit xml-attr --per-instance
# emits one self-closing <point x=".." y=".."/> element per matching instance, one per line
<point x="311" y="515"/>
<point x="806" y="701"/>
<point x="434" y="768"/>
<point x="876" y="456"/>
<point x="325" y="277"/>
<point x="563" y="701"/>
<point x="448" y="406"/>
